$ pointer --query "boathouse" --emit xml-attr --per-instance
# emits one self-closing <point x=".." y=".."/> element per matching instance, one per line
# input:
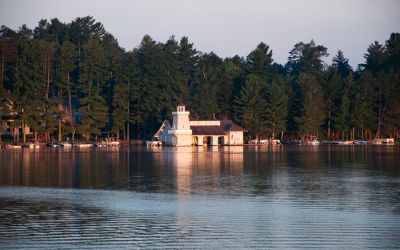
<point x="184" y="132"/>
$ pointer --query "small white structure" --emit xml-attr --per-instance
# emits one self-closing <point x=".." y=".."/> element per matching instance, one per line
<point x="184" y="132"/>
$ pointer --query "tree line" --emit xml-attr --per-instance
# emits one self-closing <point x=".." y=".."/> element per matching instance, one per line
<point x="59" y="69"/>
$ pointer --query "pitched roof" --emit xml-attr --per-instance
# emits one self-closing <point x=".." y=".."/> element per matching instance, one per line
<point x="207" y="130"/>
<point x="163" y="129"/>
<point x="229" y="125"/>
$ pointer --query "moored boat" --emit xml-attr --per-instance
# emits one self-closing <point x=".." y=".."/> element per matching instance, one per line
<point x="275" y="142"/>
<point x="13" y="146"/>
<point x="31" y="145"/>
<point x="153" y="143"/>
<point x="53" y="145"/>
<point x="388" y="141"/>
<point x="360" y="142"/>
<point x="312" y="143"/>
<point x="347" y="142"/>
<point x="66" y="144"/>
<point x="376" y="141"/>
<point x="84" y="145"/>
<point x="263" y="142"/>
<point x="114" y="144"/>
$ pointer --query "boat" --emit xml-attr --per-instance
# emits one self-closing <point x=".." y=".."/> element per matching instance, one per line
<point x="263" y="142"/>
<point x="255" y="141"/>
<point x="313" y="142"/>
<point x="376" y="141"/>
<point x="13" y="146"/>
<point x="107" y="144"/>
<point x="31" y="145"/>
<point x="275" y="142"/>
<point x="297" y="142"/>
<point x="153" y="143"/>
<point x="388" y="141"/>
<point x="347" y="142"/>
<point x="66" y="144"/>
<point x="360" y="142"/>
<point x="84" y="145"/>
<point x="116" y="143"/>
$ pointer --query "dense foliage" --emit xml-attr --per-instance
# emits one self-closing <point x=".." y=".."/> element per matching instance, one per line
<point x="75" y="80"/>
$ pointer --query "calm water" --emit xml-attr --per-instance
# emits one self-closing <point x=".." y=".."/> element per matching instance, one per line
<point x="231" y="197"/>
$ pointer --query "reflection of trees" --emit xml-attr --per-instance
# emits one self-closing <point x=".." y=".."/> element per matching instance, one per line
<point x="329" y="173"/>
<point x="61" y="168"/>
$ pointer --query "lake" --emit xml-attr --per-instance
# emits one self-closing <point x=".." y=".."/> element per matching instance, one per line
<point x="326" y="196"/>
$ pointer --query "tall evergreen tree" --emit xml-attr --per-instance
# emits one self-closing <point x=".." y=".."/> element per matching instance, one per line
<point x="250" y="106"/>
<point x="94" y="114"/>
<point x="277" y="109"/>
<point x="121" y="103"/>
<point x="306" y="58"/>
<point x="188" y="59"/>
<point x="209" y="79"/>
<point x="341" y="64"/>
<point x="332" y="85"/>
<point x="312" y="115"/>
<point x="68" y="57"/>
<point x="375" y="57"/>
<point x="231" y="73"/>
<point x="259" y="62"/>
<point x="93" y="107"/>
<point x="361" y="114"/>
<point x="342" y="118"/>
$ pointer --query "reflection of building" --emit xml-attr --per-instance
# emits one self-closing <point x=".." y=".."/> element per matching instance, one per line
<point x="184" y="132"/>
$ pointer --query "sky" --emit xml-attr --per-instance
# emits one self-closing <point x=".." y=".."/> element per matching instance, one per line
<point x="227" y="27"/>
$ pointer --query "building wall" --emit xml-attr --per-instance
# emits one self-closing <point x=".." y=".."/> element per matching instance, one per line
<point x="184" y="140"/>
<point x="205" y="123"/>
<point x="235" y="137"/>
<point x="6" y="128"/>
<point x="180" y="139"/>
<point x="181" y="135"/>
<point x="180" y="119"/>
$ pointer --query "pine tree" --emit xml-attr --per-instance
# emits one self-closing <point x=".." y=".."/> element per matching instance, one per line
<point x="341" y="64"/>
<point x="208" y="83"/>
<point x="312" y="115"/>
<point x="121" y="102"/>
<point x="250" y="106"/>
<point x="332" y="86"/>
<point x="306" y="58"/>
<point x="259" y="62"/>
<point x="68" y="57"/>
<point x="231" y="74"/>
<point x="277" y="109"/>
<point x="361" y="115"/>
<point x="188" y="58"/>
<point x="149" y="87"/>
<point x="173" y="86"/>
<point x="342" y="118"/>
<point x="23" y="81"/>
<point x="93" y="107"/>
<point x="94" y="114"/>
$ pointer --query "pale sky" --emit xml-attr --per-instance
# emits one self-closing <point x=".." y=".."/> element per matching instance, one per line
<point x="227" y="27"/>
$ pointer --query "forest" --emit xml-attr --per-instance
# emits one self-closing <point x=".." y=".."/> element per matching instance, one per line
<point x="74" y="80"/>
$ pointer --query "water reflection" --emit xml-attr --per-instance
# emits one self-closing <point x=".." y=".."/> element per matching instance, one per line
<point x="201" y="197"/>
<point x="187" y="170"/>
